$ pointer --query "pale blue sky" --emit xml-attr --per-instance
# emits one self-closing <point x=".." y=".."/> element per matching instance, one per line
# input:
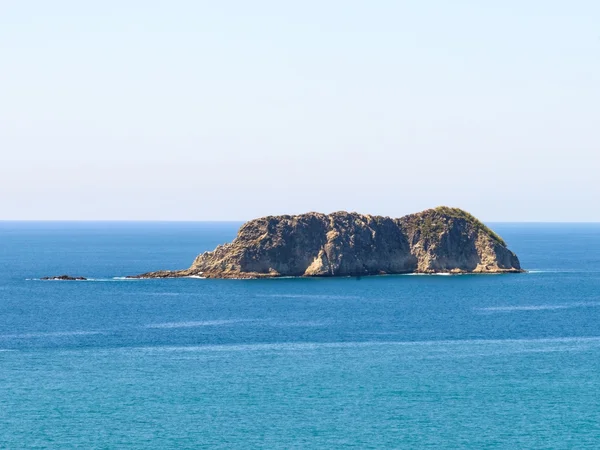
<point x="216" y="110"/>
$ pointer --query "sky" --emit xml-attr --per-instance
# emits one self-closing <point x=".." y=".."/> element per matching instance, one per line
<point x="230" y="109"/>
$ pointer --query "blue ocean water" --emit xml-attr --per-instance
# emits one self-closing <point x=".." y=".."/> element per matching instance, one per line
<point x="487" y="361"/>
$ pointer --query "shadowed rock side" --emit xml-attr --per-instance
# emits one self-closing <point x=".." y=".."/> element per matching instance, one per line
<point x="350" y="244"/>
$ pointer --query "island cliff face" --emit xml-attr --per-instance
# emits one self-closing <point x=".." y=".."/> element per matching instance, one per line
<point x="350" y="244"/>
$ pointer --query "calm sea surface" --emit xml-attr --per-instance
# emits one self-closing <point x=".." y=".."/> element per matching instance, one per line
<point x="488" y="361"/>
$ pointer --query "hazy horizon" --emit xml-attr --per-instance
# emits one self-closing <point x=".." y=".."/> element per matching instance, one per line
<point x="241" y="221"/>
<point x="204" y="111"/>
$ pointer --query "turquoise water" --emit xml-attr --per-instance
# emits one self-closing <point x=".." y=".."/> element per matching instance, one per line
<point x="487" y="361"/>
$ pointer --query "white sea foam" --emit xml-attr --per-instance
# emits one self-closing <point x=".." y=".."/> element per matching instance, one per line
<point x="92" y="280"/>
<point x="314" y="296"/>
<point x="536" y="271"/>
<point x="214" y="323"/>
<point x="546" y="307"/>
<point x="300" y="323"/>
<point x="195" y="324"/>
<point x="422" y="349"/>
<point x="437" y="274"/>
<point x="104" y="280"/>
<point x="285" y="277"/>
<point x="48" y="334"/>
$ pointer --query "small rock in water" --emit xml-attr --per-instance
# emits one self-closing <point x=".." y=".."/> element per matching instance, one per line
<point x="64" y="278"/>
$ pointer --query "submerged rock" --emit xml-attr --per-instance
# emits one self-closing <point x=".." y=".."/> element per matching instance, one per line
<point x="440" y="240"/>
<point x="64" y="278"/>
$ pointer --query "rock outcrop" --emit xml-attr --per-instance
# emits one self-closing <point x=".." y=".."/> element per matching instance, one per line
<point x="440" y="240"/>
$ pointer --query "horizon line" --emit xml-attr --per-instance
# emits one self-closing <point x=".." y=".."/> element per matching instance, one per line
<point x="591" y="222"/>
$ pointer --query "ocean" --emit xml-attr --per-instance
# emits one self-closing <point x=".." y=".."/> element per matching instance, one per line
<point x="444" y="362"/>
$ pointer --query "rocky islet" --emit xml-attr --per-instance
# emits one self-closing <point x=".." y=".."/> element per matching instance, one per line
<point x="439" y="240"/>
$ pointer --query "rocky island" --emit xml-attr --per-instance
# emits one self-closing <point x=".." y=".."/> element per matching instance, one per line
<point x="440" y="240"/>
